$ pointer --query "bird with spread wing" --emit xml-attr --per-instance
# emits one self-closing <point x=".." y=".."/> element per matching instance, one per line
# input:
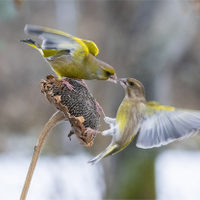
<point x="155" y="124"/>
<point x="70" y="56"/>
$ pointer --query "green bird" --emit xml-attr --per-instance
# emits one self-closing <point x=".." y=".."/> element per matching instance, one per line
<point x="70" y="56"/>
<point x="155" y="124"/>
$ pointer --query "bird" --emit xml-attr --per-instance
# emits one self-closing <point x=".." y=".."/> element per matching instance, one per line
<point x="154" y="123"/>
<point x="70" y="56"/>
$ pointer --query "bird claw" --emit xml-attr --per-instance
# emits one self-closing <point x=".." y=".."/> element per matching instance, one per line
<point x="69" y="86"/>
<point x="89" y="131"/>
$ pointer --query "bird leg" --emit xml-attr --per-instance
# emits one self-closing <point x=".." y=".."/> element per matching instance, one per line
<point x="113" y="126"/>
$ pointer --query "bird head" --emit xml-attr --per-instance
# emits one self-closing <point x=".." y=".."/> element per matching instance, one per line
<point x="133" y="87"/>
<point x="106" y="72"/>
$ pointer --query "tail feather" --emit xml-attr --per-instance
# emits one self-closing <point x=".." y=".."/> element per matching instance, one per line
<point x="111" y="149"/>
<point x="31" y="43"/>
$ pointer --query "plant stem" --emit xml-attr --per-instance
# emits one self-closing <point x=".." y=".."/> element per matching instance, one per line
<point x="57" y="118"/>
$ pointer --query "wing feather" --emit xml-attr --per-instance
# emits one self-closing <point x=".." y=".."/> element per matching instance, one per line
<point x="165" y="126"/>
<point x="58" y="40"/>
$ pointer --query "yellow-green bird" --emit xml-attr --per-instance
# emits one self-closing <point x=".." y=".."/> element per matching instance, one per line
<point x="70" y="56"/>
<point x="155" y="124"/>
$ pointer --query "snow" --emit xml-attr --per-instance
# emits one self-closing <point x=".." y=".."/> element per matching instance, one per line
<point x="55" y="178"/>
<point x="178" y="175"/>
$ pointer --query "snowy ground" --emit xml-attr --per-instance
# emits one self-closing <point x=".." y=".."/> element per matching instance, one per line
<point x="178" y="175"/>
<point x="55" y="178"/>
<point x="71" y="177"/>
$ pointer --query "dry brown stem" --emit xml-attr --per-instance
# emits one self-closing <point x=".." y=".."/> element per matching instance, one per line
<point x="57" y="118"/>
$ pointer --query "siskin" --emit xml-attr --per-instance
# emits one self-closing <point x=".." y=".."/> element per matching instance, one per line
<point x="70" y="56"/>
<point x="155" y="124"/>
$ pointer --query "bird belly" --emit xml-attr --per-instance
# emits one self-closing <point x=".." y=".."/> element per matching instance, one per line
<point x="128" y="121"/>
<point x="65" y="67"/>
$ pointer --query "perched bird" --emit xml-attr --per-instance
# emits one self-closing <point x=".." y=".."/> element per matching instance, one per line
<point x="70" y="56"/>
<point x="155" y="124"/>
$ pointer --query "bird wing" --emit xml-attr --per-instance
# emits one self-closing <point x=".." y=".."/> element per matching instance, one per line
<point x="93" y="49"/>
<point x="58" y="40"/>
<point x="164" y="124"/>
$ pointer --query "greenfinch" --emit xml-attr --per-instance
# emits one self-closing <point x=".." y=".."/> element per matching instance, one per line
<point x="155" y="124"/>
<point x="70" y="56"/>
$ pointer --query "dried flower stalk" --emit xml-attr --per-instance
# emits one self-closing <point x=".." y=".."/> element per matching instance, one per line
<point x="78" y="107"/>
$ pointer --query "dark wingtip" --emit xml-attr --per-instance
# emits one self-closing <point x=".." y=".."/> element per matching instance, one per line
<point x="28" y="41"/>
<point x="22" y="40"/>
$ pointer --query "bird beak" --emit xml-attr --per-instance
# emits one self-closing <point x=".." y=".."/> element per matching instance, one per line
<point x="123" y="82"/>
<point x="113" y="78"/>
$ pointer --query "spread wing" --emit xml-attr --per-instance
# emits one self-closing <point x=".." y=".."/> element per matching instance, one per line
<point x="58" y="40"/>
<point x="163" y="125"/>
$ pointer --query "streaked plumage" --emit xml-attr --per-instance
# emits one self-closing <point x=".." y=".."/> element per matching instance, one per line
<point x="156" y="124"/>
<point x="70" y="56"/>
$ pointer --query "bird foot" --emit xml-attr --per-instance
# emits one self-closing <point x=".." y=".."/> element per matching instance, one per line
<point x="69" y="86"/>
<point x="89" y="131"/>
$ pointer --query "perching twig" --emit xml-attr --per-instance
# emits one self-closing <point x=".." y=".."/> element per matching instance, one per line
<point x="57" y="118"/>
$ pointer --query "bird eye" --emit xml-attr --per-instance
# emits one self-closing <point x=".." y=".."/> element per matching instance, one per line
<point x="108" y="73"/>
<point x="132" y="83"/>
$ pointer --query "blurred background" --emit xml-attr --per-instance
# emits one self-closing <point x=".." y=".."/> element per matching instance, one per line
<point x="157" y="42"/>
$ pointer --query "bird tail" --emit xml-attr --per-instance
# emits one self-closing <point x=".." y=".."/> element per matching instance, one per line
<point x="111" y="149"/>
<point x="33" y="44"/>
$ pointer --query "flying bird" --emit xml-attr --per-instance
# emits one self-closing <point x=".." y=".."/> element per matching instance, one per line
<point x="155" y="124"/>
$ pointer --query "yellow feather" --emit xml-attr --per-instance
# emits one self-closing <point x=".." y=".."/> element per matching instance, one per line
<point x="93" y="49"/>
<point x="123" y="114"/>
<point x="155" y="105"/>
